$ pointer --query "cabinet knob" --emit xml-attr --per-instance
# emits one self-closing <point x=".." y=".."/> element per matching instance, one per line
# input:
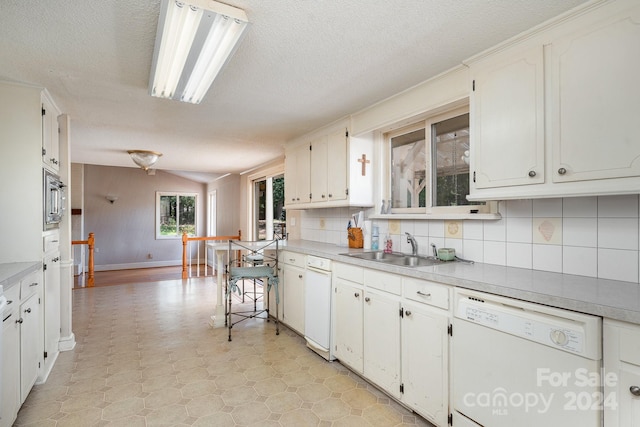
<point x="407" y="313"/>
<point x="367" y="299"/>
<point x="28" y="310"/>
<point x="330" y="195"/>
<point x="356" y="294"/>
<point x="299" y="276"/>
<point x="532" y="174"/>
<point x="635" y="390"/>
<point x="19" y="320"/>
<point x="562" y="171"/>
<point x="323" y="196"/>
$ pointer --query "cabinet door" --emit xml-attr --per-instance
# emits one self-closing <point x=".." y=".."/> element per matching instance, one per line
<point x="293" y="310"/>
<point x="382" y="341"/>
<point x="621" y="360"/>
<point x="30" y="344"/>
<point x="10" y="397"/>
<point x="507" y="120"/>
<point x="303" y="175"/>
<point x="348" y="338"/>
<point x="50" y="140"/>
<point x="425" y="364"/>
<point x="52" y="304"/>
<point x="337" y="166"/>
<point x="595" y="92"/>
<point x="319" y="159"/>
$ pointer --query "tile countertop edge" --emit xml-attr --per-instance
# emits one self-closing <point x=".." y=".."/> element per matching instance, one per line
<point x="607" y="298"/>
<point x="12" y="272"/>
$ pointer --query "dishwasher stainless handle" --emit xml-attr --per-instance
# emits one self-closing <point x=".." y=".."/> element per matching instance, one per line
<point x="423" y="294"/>
<point x="635" y="390"/>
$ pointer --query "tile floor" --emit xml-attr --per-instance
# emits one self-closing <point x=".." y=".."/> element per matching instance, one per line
<point x="146" y="356"/>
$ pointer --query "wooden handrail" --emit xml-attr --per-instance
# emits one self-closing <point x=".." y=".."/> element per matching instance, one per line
<point x="186" y="239"/>
<point x="91" y="241"/>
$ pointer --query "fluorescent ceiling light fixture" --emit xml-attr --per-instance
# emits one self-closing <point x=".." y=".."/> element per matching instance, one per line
<point x="144" y="158"/>
<point x="193" y="42"/>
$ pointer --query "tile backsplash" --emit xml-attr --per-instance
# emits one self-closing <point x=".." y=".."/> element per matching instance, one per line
<point x="587" y="236"/>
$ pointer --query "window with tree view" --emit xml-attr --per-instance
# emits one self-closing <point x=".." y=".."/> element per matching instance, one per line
<point x="176" y="214"/>
<point x="429" y="167"/>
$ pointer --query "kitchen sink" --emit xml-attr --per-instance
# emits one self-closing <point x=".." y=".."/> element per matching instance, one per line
<point x="396" y="258"/>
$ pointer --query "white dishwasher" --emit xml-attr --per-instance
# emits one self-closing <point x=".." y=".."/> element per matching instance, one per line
<point x="317" y="306"/>
<point x="522" y="364"/>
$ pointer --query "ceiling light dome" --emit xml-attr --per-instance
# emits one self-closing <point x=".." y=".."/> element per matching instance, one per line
<point x="144" y="158"/>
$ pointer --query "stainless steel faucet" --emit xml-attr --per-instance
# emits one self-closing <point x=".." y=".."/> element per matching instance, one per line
<point x="414" y="244"/>
<point x="435" y="250"/>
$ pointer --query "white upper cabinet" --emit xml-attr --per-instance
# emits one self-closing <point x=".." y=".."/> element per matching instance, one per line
<point x="319" y="177"/>
<point x="297" y="179"/>
<point x="50" y="139"/>
<point x="507" y="119"/>
<point x="336" y="170"/>
<point x="595" y="97"/>
<point x="554" y="111"/>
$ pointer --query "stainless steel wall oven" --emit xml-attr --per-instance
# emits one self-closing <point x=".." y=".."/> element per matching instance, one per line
<point x="54" y="198"/>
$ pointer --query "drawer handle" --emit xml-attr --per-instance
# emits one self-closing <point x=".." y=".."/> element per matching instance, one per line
<point x="423" y="294"/>
<point x="408" y="312"/>
<point x="28" y="310"/>
<point x="367" y="299"/>
<point x="292" y="259"/>
<point x="7" y="318"/>
<point x="635" y="390"/>
<point x="33" y="284"/>
<point x="9" y="301"/>
<point x="356" y="295"/>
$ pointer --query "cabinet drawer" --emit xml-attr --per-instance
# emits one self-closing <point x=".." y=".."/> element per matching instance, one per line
<point x="51" y="241"/>
<point x="630" y="345"/>
<point x="293" y="258"/>
<point x="427" y="292"/>
<point x="391" y="283"/>
<point x="30" y="284"/>
<point x="349" y="272"/>
<point x="13" y="296"/>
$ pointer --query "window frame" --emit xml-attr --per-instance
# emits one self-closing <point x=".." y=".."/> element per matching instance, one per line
<point x="178" y="194"/>
<point x="425" y="121"/>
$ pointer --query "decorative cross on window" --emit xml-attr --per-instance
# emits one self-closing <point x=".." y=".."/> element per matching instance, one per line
<point x="364" y="162"/>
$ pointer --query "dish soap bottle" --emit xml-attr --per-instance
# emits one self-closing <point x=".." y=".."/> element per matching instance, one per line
<point x="374" y="238"/>
<point x="388" y="245"/>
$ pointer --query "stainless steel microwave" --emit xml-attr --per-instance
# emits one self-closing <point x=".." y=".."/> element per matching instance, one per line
<point x="54" y="200"/>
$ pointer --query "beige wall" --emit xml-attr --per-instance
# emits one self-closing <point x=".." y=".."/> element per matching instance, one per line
<point x="125" y="230"/>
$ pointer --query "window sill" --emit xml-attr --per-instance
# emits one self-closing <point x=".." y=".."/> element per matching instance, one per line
<point x="446" y="216"/>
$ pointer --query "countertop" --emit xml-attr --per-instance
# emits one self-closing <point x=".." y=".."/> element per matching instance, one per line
<point x="12" y="272"/>
<point x="607" y="298"/>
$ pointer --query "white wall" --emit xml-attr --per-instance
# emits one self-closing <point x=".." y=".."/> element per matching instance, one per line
<point x="125" y="230"/>
<point x="587" y="236"/>
<point x="228" y="218"/>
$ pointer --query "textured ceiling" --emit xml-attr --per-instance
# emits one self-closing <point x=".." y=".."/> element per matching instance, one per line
<point x="302" y="64"/>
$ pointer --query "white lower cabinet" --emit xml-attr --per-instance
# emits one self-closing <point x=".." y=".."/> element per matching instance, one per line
<point x="293" y="290"/>
<point x="348" y="336"/>
<point x="622" y="368"/>
<point x="425" y="364"/>
<point x="51" y="312"/>
<point x="381" y="316"/>
<point x="30" y="344"/>
<point x="10" y="361"/>
<point x="394" y="330"/>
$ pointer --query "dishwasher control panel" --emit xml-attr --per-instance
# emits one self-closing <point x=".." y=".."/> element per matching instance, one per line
<point x="561" y="329"/>
<point x="318" y="263"/>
